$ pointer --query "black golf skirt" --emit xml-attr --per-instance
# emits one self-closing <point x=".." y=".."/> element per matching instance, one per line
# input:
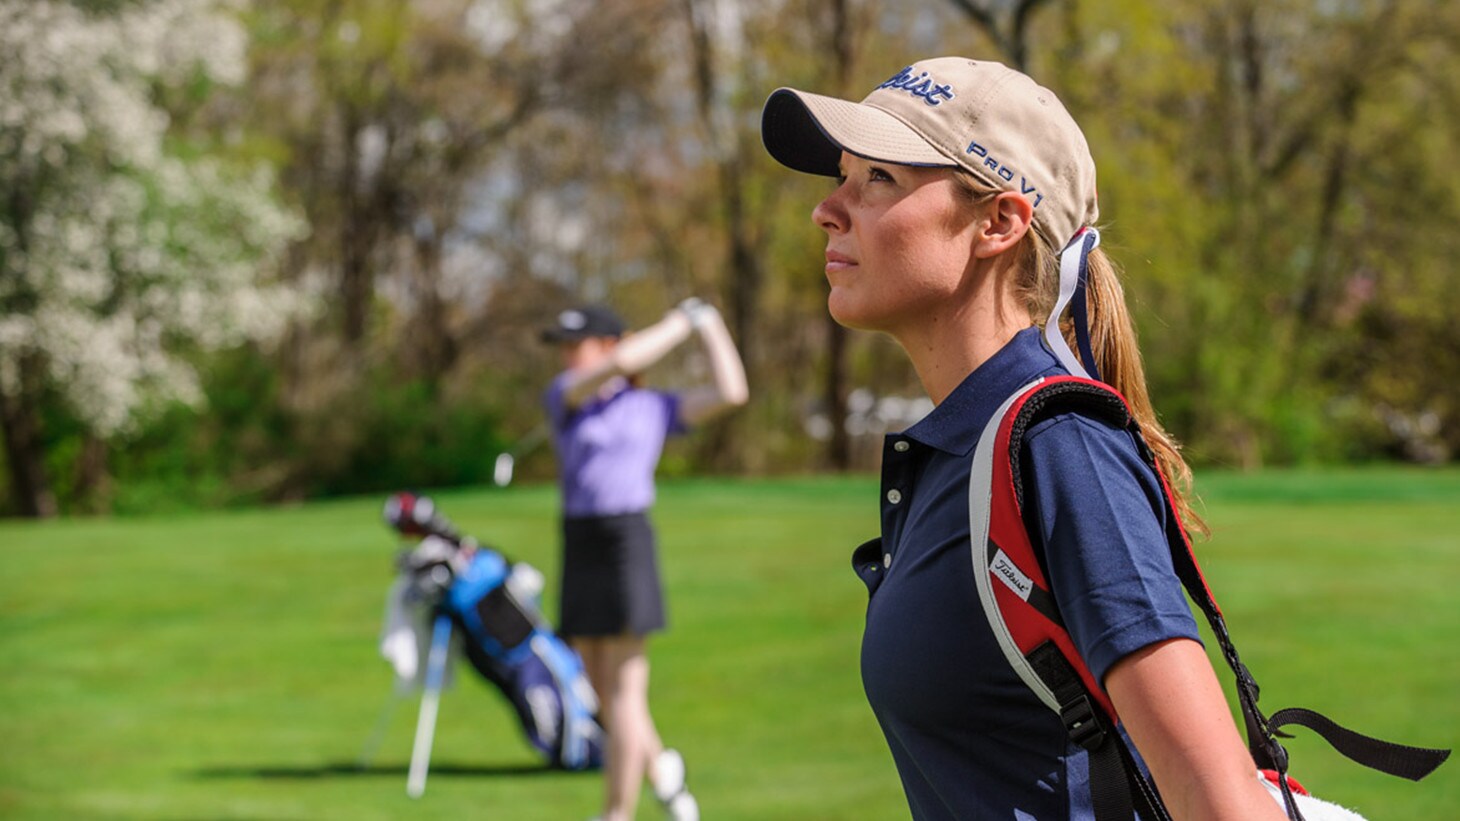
<point x="610" y="577"/>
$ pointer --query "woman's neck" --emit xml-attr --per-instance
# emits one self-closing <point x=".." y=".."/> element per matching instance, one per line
<point x="943" y="365"/>
<point x="948" y="345"/>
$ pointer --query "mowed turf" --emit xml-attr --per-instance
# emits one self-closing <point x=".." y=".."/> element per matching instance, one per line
<point x="223" y="665"/>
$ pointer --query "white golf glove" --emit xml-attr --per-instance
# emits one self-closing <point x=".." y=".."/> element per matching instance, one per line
<point x="698" y="311"/>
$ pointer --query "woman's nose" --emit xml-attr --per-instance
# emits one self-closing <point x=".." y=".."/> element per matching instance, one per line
<point x="830" y="215"/>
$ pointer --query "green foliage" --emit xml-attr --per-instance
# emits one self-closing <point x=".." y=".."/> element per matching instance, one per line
<point x="223" y="665"/>
<point x="1261" y="174"/>
<point x="408" y="435"/>
<point x="242" y="446"/>
<point x="224" y="452"/>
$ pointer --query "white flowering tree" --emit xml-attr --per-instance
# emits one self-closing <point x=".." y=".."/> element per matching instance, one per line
<point x="122" y="246"/>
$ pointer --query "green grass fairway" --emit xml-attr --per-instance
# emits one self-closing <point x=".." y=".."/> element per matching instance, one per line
<point x="223" y="665"/>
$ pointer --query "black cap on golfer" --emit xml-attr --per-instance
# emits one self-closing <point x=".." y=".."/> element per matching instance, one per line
<point x="582" y="323"/>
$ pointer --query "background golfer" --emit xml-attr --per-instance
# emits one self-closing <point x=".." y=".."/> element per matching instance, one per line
<point x="608" y="432"/>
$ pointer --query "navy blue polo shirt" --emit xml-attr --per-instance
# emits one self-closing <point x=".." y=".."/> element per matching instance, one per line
<point x="970" y="740"/>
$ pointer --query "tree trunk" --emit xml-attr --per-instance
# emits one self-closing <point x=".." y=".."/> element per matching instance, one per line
<point x="434" y="349"/>
<point x="30" y="489"/>
<point x="834" y="389"/>
<point x="93" y="477"/>
<point x="839" y="448"/>
<point x="1015" y="41"/>
<point x="1319" y="278"/>
<point x="357" y="237"/>
<point x="746" y="268"/>
<point x="746" y="276"/>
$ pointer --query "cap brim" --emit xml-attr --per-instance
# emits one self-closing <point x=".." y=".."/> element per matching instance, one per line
<point x="808" y="132"/>
<point x="555" y="336"/>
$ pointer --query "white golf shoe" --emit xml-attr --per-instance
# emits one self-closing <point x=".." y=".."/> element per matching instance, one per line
<point x="683" y="807"/>
<point x="670" y="787"/>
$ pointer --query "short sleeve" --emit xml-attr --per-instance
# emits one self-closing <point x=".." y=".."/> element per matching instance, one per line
<point x="673" y="403"/>
<point x="1100" y="520"/>
<point x="554" y="401"/>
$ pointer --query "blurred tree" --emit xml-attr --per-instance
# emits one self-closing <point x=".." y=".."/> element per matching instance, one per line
<point x="390" y="113"/>
<point x="1006" y="23"/>
<point x="1262" y="161"/>
<point x="123" y="243"/>
<point x="403" y="129"/>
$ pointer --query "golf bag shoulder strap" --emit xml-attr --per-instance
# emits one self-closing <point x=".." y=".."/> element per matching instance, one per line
<point x="1019" y="602"/>
<point x="1021" y="609"/>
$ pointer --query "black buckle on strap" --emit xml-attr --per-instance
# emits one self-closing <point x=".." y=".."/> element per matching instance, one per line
<point x="1279" y="755"/>
<point x="1081" y="723"/>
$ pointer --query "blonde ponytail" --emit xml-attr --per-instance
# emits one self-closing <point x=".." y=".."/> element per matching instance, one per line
<point x="1118" y="358"/>
<point x="1112" y="340"/>
<point x="1117" y="355"/>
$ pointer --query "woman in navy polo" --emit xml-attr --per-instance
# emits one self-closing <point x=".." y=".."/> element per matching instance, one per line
<point x="608" y="432"/>
<point x="963" y="188"/>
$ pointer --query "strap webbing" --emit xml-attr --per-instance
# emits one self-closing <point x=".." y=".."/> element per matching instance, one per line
<point x="1074" y="265"/>
<point x="1118" y="785"/>
<point x="1079" y="305"/>
<point x="1402" y="760"/>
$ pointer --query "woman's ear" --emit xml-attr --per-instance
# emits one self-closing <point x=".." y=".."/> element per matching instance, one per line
<point x="1004" y="222"/>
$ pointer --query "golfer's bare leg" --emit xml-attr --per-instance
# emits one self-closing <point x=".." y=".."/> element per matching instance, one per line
<point x="633" y="741"/>
<point x="590" y="651"/>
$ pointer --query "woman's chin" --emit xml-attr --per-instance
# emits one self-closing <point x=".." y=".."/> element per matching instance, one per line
<point x="847" y="312"/>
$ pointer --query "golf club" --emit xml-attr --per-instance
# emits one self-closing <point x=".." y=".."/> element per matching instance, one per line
<point x="507" y="460"/>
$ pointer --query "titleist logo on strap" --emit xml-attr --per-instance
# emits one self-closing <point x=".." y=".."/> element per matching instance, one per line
<point x="1005" y="571"/>
<point x="920" y="85"/>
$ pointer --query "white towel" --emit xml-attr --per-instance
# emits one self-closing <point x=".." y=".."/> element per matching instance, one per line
<point x="405" y="637"/>
<point x="1313" y="809"/>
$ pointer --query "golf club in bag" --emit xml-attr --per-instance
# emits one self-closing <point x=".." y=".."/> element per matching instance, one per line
<point x="475" y="597"/>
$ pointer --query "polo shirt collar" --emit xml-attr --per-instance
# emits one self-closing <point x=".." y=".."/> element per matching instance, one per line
<point x="955" y="425"/>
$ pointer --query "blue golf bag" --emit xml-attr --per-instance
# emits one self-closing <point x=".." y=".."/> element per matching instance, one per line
<point x="492" y="607"/>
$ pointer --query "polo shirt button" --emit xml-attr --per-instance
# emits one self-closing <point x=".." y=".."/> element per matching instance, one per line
<point x="894" y="496"/>
<point x="901" y="446"/>
<point x="886" y="559"/>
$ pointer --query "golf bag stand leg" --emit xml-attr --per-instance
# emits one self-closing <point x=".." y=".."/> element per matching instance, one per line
<point x="426" y="722"/>
<point x="372" y="744"/>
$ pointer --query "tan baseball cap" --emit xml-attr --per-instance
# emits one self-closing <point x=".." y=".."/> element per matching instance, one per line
<point x="983" y="117"/>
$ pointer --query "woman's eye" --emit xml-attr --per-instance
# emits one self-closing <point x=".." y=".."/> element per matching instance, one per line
<point x="873" y="175"/>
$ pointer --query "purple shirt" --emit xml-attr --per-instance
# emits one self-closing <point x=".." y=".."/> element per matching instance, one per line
<point x="609" y="447"/>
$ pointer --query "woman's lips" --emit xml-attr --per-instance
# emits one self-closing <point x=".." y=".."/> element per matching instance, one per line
<point x="838" y="262"/>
